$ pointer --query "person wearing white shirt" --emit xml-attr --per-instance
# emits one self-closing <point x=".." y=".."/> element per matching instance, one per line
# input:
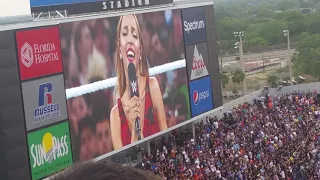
<point x="283" y="175"/>
<point x="197" y="161"/>
<point x="165" y="150"/>
<point x="213" y="168"/>
<point x="163" y="157"/>
<point x="216" y="125"/>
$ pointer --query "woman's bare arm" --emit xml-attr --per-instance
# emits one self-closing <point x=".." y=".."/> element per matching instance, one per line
<point x="157" y="103"/>
<point x="115" y="128"/>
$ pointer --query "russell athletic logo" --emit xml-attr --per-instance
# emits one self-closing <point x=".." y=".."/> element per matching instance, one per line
<point x="38" y="54"/>
<point x="27" y="55"/>
<point x="197" y="97"/>
<point x="50" y="149"/>
<point x="46" y="108"/>
<point x="199" y="68"/>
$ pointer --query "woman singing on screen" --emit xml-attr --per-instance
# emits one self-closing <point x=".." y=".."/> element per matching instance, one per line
<point x="148" y="106"/>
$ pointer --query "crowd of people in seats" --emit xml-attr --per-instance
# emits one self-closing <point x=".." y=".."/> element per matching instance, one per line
<point x="274" y="138"/>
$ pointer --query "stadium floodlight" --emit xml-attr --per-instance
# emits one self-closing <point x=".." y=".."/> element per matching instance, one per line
<point x="238" y="33"/>
<point x="238" y="45"/>
<point x="286" y="33"/>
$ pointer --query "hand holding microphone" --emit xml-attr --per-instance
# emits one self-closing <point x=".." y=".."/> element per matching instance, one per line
<point x="134" y="117"/>
<point x="134" y="112"/>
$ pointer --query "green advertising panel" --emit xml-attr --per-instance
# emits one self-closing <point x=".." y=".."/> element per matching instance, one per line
<point x="49" y="150"/>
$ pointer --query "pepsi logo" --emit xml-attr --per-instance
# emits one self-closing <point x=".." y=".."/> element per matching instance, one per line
<point x="195" y="97"/>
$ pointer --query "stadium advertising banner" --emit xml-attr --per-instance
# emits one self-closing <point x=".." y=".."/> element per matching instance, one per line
<point x="194" y="25"/>
<point x="39" y="52"/>
<point x="143" y="99"/>
<point x="49" y="150"/>
<point x="90" y="6"/>
<point x="197" y="60"/>
<point x="200" y="96"/>
<point x="44" y="101"/>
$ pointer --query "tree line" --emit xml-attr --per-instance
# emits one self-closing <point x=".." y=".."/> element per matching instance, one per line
<point x="263" y="22"/>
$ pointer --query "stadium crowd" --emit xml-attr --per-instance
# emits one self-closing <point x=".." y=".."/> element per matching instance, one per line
<point x="272" y="138"/>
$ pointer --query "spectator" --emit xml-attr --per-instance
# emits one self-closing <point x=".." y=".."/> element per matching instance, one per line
<point x="273" y="138"/>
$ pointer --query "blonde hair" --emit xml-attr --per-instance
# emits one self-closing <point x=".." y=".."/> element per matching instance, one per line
<point x="143" y="65"/>
<point x="97" y="67"/>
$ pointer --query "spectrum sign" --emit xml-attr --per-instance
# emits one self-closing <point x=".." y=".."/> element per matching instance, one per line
<point x="194" y="25"/>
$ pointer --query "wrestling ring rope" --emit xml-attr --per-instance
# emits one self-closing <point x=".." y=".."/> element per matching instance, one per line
<point x="108" y="83"/>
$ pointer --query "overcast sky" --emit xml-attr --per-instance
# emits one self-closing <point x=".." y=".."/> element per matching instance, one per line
<point x="14" y="8"/>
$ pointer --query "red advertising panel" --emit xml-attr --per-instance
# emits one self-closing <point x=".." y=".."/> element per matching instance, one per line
<point x="39" y="52"/>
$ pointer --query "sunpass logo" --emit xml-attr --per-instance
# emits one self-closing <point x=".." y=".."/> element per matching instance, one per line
<point x="46" y="109"/>
<point x="50" y="149"/>
<point x="197" y="97"/>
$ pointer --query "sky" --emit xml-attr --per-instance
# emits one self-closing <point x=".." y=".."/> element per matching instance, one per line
<point x="14" y="8"/>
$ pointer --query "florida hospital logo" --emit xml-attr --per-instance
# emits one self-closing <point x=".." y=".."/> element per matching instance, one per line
<point x="197" y="97"/>
<point x="38" y="54"/>
<point x="46" y="109"/>
<point x="27" y="55"/>
<point x="50" y="149"/>
<point x="199" y="68"/>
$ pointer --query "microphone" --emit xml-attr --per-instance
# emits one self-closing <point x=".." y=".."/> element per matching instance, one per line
<point x="134" y="92"/>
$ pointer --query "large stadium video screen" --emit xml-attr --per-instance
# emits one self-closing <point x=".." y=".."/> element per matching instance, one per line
<point x="144" y="55"/>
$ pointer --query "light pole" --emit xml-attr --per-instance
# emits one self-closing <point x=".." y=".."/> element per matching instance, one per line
<point x="240" y="34"/>
<point x="220" y="56"/>
<point x="287" y="33"/>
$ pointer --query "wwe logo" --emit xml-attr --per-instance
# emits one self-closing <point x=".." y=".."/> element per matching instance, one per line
<point x="27" y="55"/>
<point x="134" y="86"/>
